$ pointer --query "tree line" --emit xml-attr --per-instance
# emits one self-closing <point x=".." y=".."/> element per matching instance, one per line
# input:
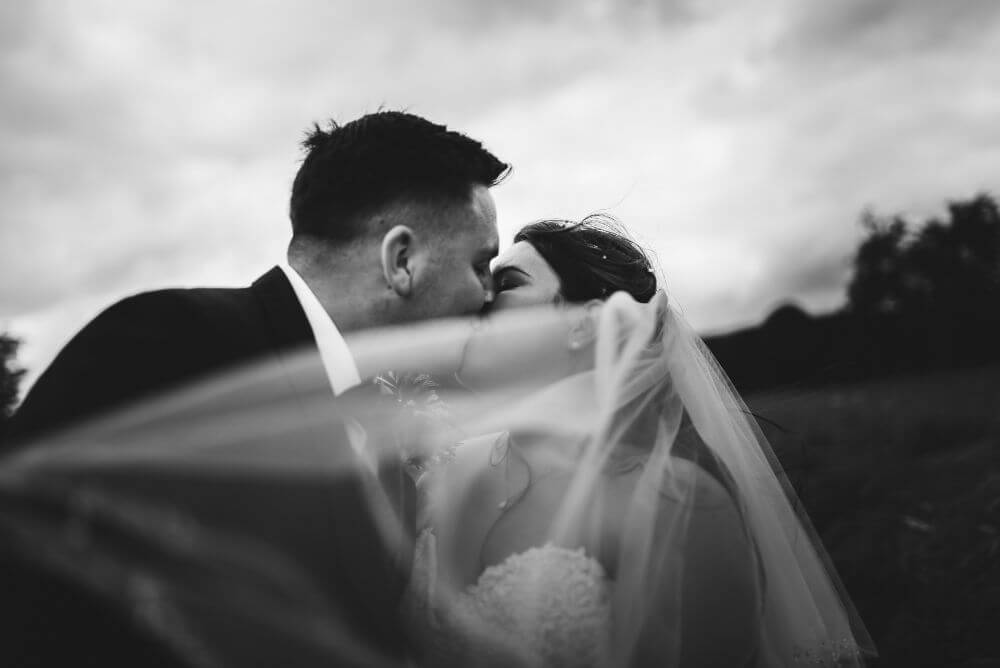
<point x="10" y="376"/>
<point x="921" y="297"/>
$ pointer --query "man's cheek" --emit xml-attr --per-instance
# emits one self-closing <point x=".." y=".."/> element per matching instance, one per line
<point x="468" y="299"/>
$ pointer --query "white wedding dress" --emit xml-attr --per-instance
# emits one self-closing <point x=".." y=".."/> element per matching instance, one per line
<point x="547" y="606"/>
<point x="554" y="606"/>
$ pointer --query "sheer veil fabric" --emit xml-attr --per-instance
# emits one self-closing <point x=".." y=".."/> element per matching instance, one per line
<point x="640" y="386"/>
<point x="592" y="395"/>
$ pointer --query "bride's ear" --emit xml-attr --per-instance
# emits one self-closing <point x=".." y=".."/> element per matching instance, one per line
<point x="397" y="259"/>
<point x="583" y="331"/>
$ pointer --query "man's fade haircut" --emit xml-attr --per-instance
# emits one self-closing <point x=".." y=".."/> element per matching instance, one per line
<point x="352" y="170"/>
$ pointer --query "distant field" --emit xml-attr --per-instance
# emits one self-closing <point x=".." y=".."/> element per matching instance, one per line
<point x="902" y="480"/>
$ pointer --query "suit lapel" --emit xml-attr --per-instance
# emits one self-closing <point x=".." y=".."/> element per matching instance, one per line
<point x="378" y="565"/>
<point x="286" y="320"/>
<point x="377" y="571"/>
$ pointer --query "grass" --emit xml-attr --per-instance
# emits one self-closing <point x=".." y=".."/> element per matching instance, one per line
<point x="902" y="480"/>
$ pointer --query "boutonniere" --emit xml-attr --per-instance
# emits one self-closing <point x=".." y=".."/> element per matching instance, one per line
<point x="422" y="414"/>
<point x="416" y="392"/>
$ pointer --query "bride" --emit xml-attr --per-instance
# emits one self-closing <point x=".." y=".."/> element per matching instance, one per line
<point x="592" y="491"/>
<point x="628" y="513"/>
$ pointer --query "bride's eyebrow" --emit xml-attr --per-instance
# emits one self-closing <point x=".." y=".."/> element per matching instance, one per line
<point x="498" y="271"/>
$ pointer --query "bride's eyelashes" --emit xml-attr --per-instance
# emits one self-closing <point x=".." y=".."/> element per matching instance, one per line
<point x="508" y="278"/>
<point x="504" y="284"/>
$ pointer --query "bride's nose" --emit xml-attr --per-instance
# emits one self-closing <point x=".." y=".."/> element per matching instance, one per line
<point x="489" y="294"/>
<point x="488" y="299"/>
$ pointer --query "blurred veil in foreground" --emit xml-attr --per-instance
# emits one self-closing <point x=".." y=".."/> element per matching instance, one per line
<point x="199" y="517"/>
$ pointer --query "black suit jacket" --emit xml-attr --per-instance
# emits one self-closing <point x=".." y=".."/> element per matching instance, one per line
<point x="162" y="341"/>
<point x="156" y="341"/>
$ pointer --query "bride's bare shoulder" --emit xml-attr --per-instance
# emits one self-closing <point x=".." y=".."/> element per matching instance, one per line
<point x="706" y="490"/>
<point x="691" y="482"/>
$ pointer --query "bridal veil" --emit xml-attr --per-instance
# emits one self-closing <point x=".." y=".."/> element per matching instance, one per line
<point x="619" y="387"/>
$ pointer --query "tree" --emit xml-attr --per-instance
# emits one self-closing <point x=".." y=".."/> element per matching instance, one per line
<point x="940" y="265"/>
<point x="938" y="282"/>
<point x="876" y="287"/>
<point x="10" y="375"/>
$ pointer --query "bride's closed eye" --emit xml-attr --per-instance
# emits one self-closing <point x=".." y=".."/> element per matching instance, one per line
<point x="508" y="278"/>
<point x="522" y="277"/>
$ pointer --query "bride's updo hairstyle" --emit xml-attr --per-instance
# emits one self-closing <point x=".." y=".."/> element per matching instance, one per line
<point x="593" y="258"/>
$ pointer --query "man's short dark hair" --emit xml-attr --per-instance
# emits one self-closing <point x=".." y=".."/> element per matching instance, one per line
<point x="352" y="170"/>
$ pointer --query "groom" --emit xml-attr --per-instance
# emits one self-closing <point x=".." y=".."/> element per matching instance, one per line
<point x="392" y="222"/>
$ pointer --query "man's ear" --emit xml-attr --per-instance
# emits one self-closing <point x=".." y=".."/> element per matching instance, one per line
<point x="397" y="259"/>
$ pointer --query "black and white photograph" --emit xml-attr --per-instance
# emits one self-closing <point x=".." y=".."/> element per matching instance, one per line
<point x="607" y="333"/>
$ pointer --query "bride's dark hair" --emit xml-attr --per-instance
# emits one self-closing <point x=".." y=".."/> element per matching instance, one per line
<point x="593" y="258"/>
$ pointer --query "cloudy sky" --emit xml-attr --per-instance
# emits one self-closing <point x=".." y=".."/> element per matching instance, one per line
<point x="152" y="144"/>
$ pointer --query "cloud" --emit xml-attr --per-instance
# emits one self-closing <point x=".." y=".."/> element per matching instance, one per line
<point x="148" y="145"/>
<point x="862" y="30"/>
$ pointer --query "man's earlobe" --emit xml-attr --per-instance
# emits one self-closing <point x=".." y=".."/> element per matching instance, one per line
<point x="397" y="260"/>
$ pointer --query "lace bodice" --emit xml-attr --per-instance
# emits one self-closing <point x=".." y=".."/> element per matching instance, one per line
<point x="547" y="606"/>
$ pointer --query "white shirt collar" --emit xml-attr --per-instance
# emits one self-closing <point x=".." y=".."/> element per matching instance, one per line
<point x="340" y="366"/>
